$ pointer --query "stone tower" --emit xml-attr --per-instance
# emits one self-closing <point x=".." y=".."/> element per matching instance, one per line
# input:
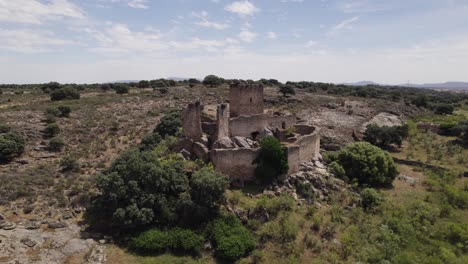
<point x="245" y="99"/>
<point x="192" y="121"/>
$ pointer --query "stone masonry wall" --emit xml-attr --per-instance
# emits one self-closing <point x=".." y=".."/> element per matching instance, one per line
<point x="309" y="146"/>
<point x="246" y="99"/>
<point x="236" y="163"/>
<point x="222" y="121"/>
<point x="244" y="126"/>
<point x="293" y="159"/>
<point x="192" y="121"/>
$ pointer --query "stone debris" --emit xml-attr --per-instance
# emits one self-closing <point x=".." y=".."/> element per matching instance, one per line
<point x="57" y="225"/>
<point x="28" y="242"/>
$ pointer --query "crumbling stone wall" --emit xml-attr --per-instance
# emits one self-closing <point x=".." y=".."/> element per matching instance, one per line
<point x="309" y="146"/>
<point x="244" y="126"/>
<point x="293" y="159"/>
<point x="236" y="163"/>
<point x="222" y="121"/>
<point x="192" y="121"/>
<point x="246" y="99"/>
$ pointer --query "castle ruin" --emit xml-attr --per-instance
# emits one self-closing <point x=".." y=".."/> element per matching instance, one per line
<point x="231" y="141"/>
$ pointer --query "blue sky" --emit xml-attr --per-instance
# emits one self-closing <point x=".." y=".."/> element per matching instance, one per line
<point x="385" y="41"/>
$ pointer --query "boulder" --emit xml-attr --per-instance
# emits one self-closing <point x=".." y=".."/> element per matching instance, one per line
<point x="28" y="242"/>
<point x="57" y="225"/>
<point x="201" y="151"/>
<point x="9" y="226"/>
<point x="224" y="143"/>
<point x="32" y="225"/>
<point x="265" y="132"/>
<point x="242" y="142"/>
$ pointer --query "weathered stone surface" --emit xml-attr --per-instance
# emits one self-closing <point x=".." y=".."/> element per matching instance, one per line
<point x="57" y="225"/>
<point x="242" y="142"/>
<point x="222" y="121"/>
<point x="28" y="242"/>
<point x="201" y="151"/>
<point x="224" y="143"/>
<point x="75" y="246"/>
<point x="2" y="217"/>
<point x="32" y="225"/>
<point x="192" y="121"/>
<point x="246" y="99"/>
<point x="9" y="226"/>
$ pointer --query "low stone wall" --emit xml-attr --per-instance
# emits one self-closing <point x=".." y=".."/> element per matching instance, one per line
<point x="294" y="161"/>
<point x="309" y="146"/>
<point x="236" y="163"/>
<point x="244" y="126"/>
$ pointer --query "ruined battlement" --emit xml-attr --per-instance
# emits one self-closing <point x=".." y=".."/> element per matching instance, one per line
<point x="231" y="142"/>
<point x="245" y="99"/>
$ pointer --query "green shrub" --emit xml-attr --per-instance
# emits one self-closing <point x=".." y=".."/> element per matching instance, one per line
<point x="231" y="239"/>
<point x="52" y="111"/>
<point x="169" y="124"/>
<point x="337" y="169"/>
<point x="272" y="160"/>
<point x="51" y="130"/>
<point x="367" y="165"/>
<point x="370" y="199"/>
<point x="287" y="89"/>
<point x="213" y="81"/>
<point x="121" y="89"/>
<point x="64" y="110"/>
<point x="385" y="136"/>
<point x="56" y="144"/>
<point x="444" y="109"/>
<point x="4" y="128"/>
<point x="149" y="142"/>
<point x="69" y="163"/>
<point x="11" y="146"/>
<point x="66" y="93"/>
<point x="175" y="240"/>
<point x="163" y="90"/>
<point x="154" y="188"/>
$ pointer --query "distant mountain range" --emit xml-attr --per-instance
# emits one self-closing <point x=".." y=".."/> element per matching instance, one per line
<point x="440" y="86"/>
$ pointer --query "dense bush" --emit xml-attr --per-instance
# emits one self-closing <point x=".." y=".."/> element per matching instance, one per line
<point x="11" y="146"/>
<point x="51" y="130"/>
<point x="56" y="144"/>
<point x="385" y="136"/>
<point x="65" y="93"/>
<point x="370" y="199"/>
<point x="287" y="89"/>
<point x="49" y="87"/>
<point x="64" y="110"/>
<point x="213" y="81"/>
<point x="4" y="128"/>
<point x="231" y="239"/>
<point x="121" y="89"/>
<point x="367" y="165"/>
<point x="170" y="124"/>
<point x="144" y="84"/>
<point x="52" y="111"/>
<point x="444" y="109"/>
<point x="175" y="240"/>
<point x="69" y="163"/>
<point x="272" y="160"/>
<point x="142" y="189"/>
<point x="150" y="141"/>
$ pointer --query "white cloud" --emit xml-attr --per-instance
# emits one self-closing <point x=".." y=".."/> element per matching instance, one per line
<point x="247" y="36"/>
<point x="212" y="24"/>
<point x="140" y="4"/>
<point x="30" y="41"/>
<point x="345" y="24"/>
<point x="242" y="8"/>
<point x="36" y="12"/>
<point x="310" y="43"/>
<point x="272" y="35"/>
<point x="205" y="22"/>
